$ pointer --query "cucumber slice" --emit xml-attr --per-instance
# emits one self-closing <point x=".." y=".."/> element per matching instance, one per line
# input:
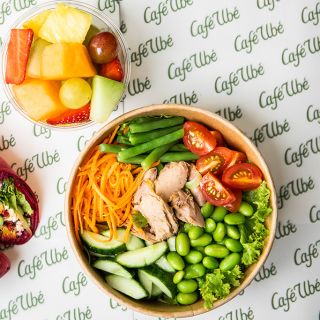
<point x="112" y="267"/>
<point x="172" y="243"/>
<point x="161" y="279"/>
<point x="152" y="289"/>
<point x="130" y="287"/>
<point x="156" y="291"/>
<point x="163" y="264"/>
<point x="145" y="281"/>
<point x="142" y="257"/>
<point x="97" y="243"/>
<point x="133" y="241"/>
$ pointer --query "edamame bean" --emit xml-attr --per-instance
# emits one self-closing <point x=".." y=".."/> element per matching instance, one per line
<point x="233" y="232"/>
<point x="175" y="261"/>
<point x="230" y="261"/>
<point x="233" y="245"/>
<point x="246" y="209"/>
<point x="216" y="250"/>
<point x="195" y="232"/>
<point x="210" y="225"/>
<point x="203" y="241"/>
<point x="193" y="257"/>
<point x="201" y="249"/>
<point x="194" y="271"/>
<point x="187" y="286"/>
<point x="234" y="218"/>
<point x="187" y="298"/>
<point x="207" y="210"/>
<point x="219" y="232"/>
<point x="182" y="244"/>
<point x="219" y="213"/>
<point x="178" y="276"/>
<point x="187" y="227"/>
<point x="210" y="263"/>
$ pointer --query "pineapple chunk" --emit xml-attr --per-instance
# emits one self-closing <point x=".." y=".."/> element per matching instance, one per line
<point x="61" y="61"/>
<point x="34" y="63"/>
<point x="39" y="98"/>
<point x="65" y="25"/>
<point x="37" y="21"/>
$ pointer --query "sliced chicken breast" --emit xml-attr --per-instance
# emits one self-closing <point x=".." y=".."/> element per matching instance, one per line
<point x="186" y="208"/>
<point x="171" y="178"/>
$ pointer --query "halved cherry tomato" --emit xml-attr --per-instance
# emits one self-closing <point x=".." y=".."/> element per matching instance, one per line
<point x="215" y="161"/>
<point x="235" y="205"/>
<point x="218" y="135"/>
<point x="237" y="157"/>
<point x="243" y="176"/>
<point x="198" y="139"/>
<point x="215" y="192"/>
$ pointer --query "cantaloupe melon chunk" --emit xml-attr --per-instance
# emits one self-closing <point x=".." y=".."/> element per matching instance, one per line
<point x="39" y="98"/>
<point x="65" y="25"/>
<point x="62" y="61"/>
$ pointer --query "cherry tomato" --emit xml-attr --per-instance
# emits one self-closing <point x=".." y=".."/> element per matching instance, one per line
<point x="237" y="157"/>
<point x="198" y="139"/>
<point x="243" y="176"/>
<point x="215" y="192"/>
<point x="215" y="161"/>
<point x="219" y="137"/>
<point x="235" y="205"/>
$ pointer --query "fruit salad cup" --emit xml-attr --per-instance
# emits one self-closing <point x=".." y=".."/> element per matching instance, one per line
<point x="72" y="66"/>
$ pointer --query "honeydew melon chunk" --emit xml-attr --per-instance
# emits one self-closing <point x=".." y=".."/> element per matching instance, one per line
<point x="34" y="63"/>
<point x="106" y="94"/>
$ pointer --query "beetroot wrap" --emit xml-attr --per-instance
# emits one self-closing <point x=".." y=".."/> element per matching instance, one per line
<point x="19" y="211"/>
<point x="4" y="264"/>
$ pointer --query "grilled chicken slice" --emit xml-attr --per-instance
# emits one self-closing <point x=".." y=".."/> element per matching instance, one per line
<point x="171" y="178"/>
<point x="162" y="223"/>
<point x="185" y="208"/>
<point x="196" y="192"/>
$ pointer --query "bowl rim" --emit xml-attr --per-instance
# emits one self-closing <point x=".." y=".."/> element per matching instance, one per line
<point x="185" y="311"/>
<point x="86" y="7"/>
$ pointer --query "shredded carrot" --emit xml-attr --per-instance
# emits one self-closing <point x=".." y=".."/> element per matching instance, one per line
<point x="103" y="192"/>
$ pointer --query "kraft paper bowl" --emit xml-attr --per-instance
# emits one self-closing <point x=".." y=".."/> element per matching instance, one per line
<point x="100" y="20"/>
<point x="236" y="140"/>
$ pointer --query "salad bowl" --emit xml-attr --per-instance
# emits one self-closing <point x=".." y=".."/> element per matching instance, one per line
<point x="234" y="139"/>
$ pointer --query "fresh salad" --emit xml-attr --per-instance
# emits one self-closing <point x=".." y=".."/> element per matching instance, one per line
<point x="166" y="210"/>
<point x="62" y="69"/>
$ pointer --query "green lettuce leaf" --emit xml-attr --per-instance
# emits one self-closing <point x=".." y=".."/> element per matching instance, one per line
<point x="217" y="285"/>
<point x="259" y="198"/>
<point x="13" y="198"/>
<point x="253" y="232"/>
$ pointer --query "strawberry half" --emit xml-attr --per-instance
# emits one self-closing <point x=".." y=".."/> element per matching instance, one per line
<point x="72" y="116"/>
<point x="112" y="70"/>
<point x="18" y="55"/>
